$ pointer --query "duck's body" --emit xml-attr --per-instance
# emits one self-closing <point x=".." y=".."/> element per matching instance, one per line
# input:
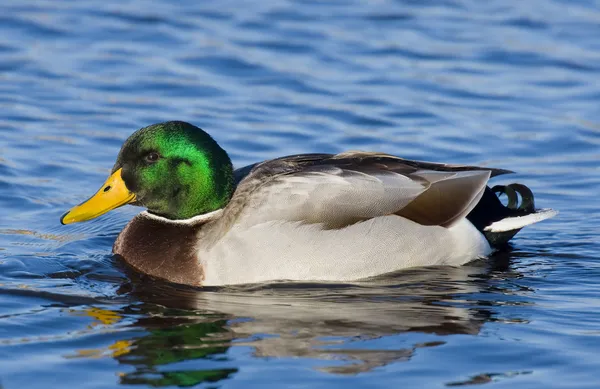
<point x="319" y="217"/>
<point x="302" y="252"/>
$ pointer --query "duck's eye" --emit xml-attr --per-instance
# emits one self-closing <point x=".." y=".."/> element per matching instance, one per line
<point x="152" y="157"/>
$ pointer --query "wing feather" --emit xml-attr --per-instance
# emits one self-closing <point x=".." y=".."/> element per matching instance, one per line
<point x="338" y="190"/>
<point x="448" y="199"/>
<point x="332" y="196"/>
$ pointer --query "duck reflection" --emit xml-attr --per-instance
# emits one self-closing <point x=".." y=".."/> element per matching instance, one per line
<point x="188" y="334"/>
<point x="321" y="322"/>
<point x="173" y="341"/>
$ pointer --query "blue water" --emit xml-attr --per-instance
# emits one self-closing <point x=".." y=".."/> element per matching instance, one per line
<point x="509" y="84"/>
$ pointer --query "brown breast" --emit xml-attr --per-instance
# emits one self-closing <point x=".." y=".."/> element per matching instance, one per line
<point x="161" y="249"/>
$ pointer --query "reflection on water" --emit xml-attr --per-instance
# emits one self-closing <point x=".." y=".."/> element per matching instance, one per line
<point x="171" y="336"/>
<point x="329" y="323"/>
<point x="175" y="340"/>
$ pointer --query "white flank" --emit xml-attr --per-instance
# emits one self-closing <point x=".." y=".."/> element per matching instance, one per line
<point x="515" y="223"/>
<point x="306" y="252"/>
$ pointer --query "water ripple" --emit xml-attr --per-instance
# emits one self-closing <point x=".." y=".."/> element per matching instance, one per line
<point x="506" y="84"/>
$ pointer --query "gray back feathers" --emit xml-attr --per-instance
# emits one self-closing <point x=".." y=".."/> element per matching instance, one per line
<point x="339" y="190"/>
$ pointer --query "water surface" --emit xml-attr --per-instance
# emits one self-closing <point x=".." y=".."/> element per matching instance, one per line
<point x="507" y="84"/>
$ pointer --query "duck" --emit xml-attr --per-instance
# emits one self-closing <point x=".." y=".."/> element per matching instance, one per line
<point x="306" y="217"/>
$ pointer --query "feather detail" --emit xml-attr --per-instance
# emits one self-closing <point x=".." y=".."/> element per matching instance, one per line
<point x="339" y="190"/>
<point x="518" y="222"/>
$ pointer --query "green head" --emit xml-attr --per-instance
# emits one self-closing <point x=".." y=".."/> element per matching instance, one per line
<point x="174" y="169"/>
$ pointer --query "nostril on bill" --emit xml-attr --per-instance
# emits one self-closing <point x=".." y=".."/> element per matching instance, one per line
<point x="107" y="189"/>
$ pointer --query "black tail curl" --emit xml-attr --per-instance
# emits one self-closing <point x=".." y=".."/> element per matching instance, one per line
<point x="490" y="209"/>
<point x="513" y="191"/>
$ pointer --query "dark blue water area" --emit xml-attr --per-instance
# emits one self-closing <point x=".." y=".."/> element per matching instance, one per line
<point x="509" y="84"/>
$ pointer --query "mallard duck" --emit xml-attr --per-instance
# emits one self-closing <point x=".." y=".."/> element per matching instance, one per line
<point x="317" y="217"/>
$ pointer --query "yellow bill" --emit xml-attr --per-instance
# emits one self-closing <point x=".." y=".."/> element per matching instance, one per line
<point x="111" y="195"/>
